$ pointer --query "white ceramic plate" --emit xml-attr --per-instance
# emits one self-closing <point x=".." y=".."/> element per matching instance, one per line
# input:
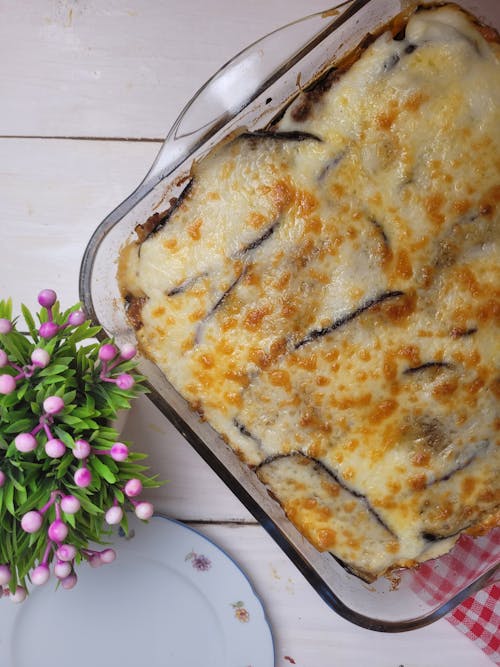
<point x="172" y="598"/>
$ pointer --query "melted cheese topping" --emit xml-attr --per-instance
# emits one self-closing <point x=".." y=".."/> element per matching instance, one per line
<point x="327" y="295"/>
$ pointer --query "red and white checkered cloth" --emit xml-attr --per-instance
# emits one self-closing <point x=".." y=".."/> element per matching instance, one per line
<point x="478" y="617"/>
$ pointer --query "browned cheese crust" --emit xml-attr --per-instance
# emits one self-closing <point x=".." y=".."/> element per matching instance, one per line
<point x="326" y="292"/>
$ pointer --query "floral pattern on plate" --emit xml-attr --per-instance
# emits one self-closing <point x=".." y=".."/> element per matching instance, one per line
<point x="240" y="612"/>
<point x="199" y="561"/>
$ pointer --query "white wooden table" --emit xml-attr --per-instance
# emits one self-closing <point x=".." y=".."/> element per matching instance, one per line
<point x="88" y="89"/>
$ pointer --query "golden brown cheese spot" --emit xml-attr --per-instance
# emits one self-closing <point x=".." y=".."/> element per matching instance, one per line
<point x="170" y="244"/>
<point x="348" y="474"/>
<point x="386" y="119"/>
<point x="433" y="205"/>
<point x="281" y="378"/>
<point x="418" y="482"/>
<point x="313" y="225"/>
<point x="326" y="539"/>
<point x="468" y="281"/>
<point x="158" y="311"/>
<point x="489" y="311"/>
<point x="227" y="169"/>
<point x="282" y="194"/>
<point x="228" y="323"/>
<point x="394" y="486"/>
<point x="400" y="308"/>
<point x="207" y="360"/>
<point x="403" y="267"/>
<point x="468" y="359"/>
<point x="194" y="229"/>
<point x="307" y="203"/>
<point x="461" y="206"/>
<point x="256" y="220"/>
<point x="234" y="398"/>
<point x="411" y="353"/>
<point x="414" y="101"/>
<point x="490" y="200"/>
<point x="392" y="547"/>
<point x="443" y="391"/>
<point x="382" y="411"/>
<point x="197" y="315"/>
<point x="253" y="319"/>
<point x="421" y="458"/>
<point x="468" y="487"/>
<point x="238" y="376"/>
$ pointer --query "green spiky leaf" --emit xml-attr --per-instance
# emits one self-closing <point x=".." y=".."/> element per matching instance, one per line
<point x="33" y="480"/>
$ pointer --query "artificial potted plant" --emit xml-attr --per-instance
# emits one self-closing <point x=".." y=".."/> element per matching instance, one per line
<point x="65" y="477"/>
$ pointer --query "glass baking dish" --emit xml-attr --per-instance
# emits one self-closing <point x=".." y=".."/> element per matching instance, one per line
<point x="248" y="92"/>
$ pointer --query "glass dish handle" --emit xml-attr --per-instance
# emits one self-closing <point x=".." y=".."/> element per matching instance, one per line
<point x="239" y="82"/>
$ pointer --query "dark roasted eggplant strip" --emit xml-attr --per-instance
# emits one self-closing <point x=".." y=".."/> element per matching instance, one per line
<point x="244" y="431"/>
<point x="436" y="537"/>
<point x="352" y="569"/>
<point x="224" y="296"/>
<point x="158" y="220"/>
<point x="335" y="478"/>
<point x="260" y="240"/>
<point x="427" y="365"/>
<point x="463" y="463"/>
<point x="430" y="537"/>
<point x="345" y="319"/>
<point x="331" y="164"/>
<point x="281" y="136"/>
<point x="462" y="333"/>
<point x="186" y="284"/>
<point x="215" y="307"/>
<point x="328" y="514"/>
<point x="454" y="525"/>
<point x="313" y="93"/>
<point x="380" y="229"/>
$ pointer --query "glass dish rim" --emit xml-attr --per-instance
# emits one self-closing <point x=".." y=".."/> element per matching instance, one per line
<point x="153" y="178"/>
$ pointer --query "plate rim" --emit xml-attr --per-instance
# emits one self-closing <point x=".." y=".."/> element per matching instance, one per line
<point x="117" y="538"/>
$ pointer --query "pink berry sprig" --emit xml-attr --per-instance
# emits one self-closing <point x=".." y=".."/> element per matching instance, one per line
<point x="65" y="554"/>
<point x="82" y="451"/>
<point x="54" y="447"/>
<point x="47" y="298"/>
<point x="143" y="509"/>
<point x="18" y="594"/>
<point x="65" y="476"/>
<point x="40" y="358"/>
<point x="57" y="532"/>
<point x="111" y="357"/>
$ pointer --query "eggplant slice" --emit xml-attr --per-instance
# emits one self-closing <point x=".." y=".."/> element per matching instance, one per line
<point x="329" y="515"/>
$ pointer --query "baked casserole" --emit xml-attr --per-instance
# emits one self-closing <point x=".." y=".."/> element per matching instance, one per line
<point x="325" y="294"/>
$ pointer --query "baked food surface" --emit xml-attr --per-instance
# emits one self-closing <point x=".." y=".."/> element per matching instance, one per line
<point x="326" y="294"/>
